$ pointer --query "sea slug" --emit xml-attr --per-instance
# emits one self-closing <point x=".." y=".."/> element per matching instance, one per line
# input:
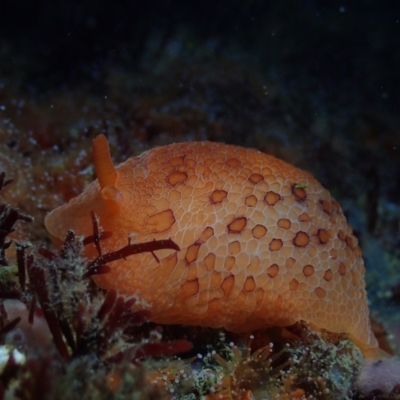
<point x="262" y="243"/>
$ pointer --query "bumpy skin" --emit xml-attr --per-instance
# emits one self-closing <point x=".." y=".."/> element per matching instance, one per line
<point x="262" y="242"/>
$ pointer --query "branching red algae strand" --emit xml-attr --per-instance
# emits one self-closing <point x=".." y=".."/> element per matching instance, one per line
<point x="99" y="265"/>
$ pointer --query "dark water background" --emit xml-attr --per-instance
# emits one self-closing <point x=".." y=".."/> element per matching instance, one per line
<point x="347" y="48"/>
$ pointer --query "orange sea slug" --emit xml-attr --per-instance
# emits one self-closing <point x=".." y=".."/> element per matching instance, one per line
<point x="262" y="243"/>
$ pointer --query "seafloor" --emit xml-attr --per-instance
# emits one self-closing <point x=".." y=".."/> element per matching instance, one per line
<point x="312" y="84"/>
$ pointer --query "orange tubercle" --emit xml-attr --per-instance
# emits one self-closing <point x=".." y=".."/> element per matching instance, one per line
<point x="106" y="173"/>
<point x="103" y="165"/>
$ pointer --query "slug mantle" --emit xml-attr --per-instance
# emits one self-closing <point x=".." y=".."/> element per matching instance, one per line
<point x="262" y="243"/>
